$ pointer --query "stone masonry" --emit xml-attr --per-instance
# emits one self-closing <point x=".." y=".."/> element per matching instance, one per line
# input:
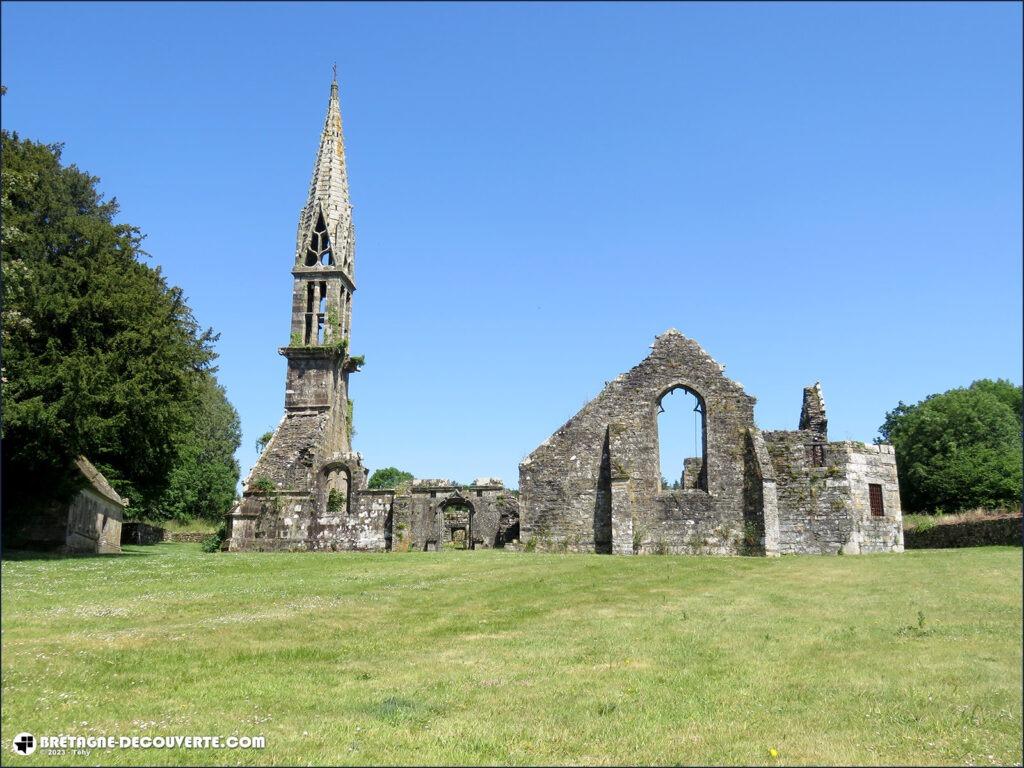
<point x="595" y="485"/>
<point x="303" y="492"/>
<point x="308" y="488"/>
<point x="88" y="523"/>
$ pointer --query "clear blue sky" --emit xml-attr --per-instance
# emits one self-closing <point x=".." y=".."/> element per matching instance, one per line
<point x="811" y="191"/>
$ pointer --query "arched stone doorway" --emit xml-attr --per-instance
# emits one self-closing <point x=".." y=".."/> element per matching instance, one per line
<point x="337" y="489"/>
<point x="455" y="523"/>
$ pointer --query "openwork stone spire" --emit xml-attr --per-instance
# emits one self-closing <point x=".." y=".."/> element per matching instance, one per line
<point x="328" y="192"/>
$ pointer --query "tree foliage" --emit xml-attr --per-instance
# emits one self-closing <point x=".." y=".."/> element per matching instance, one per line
<point x="389" y="477"/>
<point x="101" y="356"/>
<point x="202" y="483"/>
<point x="960" y="449"/>
<point x="264" y="439"/>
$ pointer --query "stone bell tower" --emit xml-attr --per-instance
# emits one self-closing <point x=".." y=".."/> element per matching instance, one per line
<point x="307" y="473"/>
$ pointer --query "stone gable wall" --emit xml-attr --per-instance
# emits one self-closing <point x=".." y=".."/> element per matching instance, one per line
<point x="609" y="450"/>
<point x="594" y="485"/>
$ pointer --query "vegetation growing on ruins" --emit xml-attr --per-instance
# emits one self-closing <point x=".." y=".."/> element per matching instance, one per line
<point x="101" y="356"/>
<point x="335" y="500"/>
<point x="262" y="485"/>
<point x="652" y="660"/>
<point x="960" y="449"/>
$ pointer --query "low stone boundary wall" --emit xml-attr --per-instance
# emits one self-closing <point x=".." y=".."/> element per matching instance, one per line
<point x="1003" y="531"/>
<point x="192" y="537"/>
<point x="143" y="533"/>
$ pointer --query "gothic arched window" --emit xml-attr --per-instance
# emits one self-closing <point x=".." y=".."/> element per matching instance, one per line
<point x="682" y="433"/>
<point x="319" y="249"/>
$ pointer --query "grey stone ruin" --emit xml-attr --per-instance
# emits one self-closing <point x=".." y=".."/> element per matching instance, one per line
<point x="593" y="486"/>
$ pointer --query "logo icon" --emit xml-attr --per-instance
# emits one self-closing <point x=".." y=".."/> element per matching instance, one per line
<point x="24" y="744"/>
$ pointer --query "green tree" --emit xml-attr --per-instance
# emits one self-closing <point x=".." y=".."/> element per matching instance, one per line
<point x="203" y="481"/>
<point x="262" y="440"/>
<point x="389" y="477"/>
<point x="960" y="449"/>
<point x="101" y="356"/>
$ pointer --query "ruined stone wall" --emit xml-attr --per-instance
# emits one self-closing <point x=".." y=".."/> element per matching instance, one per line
<point x="873" y="464"/>
<point x="815" y="507"/>
<point x="826" y="509"/>
<point x="594" y="485"/>
<point x="361" y="527"/>
<point x="280" y="518"/>
<point x="601" y="470"/>
<point x="286" y="500"/>
<point x="423" y="518"/>
<point x="375" y="520"/>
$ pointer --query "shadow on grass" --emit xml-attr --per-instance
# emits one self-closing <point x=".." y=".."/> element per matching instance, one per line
<point x="43" y="554"/>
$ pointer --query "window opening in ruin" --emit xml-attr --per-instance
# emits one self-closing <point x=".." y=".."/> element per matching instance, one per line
<point x="816" y="454"/>
<point x="319" y="249"/>
<point x="310" y="296"/>
<point x="321" y="314"/>
<point x="875" y="495"/>
<point x="337" y="494"/>
<point x="682" y="440"/>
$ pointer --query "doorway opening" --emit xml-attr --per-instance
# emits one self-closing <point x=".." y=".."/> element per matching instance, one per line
<point x="455" y="521"/>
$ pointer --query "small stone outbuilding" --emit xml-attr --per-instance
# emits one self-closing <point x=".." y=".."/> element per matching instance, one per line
<point x="89" y="523"/>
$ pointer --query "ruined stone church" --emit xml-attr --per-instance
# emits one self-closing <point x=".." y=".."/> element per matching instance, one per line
<point x="594" y="486"/>
<point x="308" y="487"/>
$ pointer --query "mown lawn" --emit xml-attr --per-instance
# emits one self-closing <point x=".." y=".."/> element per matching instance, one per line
<point x="492" y="657"/>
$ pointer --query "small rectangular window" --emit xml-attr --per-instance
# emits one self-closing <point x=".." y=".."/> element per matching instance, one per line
<point x="875" y="494"/>
<point x="816" y="455"/>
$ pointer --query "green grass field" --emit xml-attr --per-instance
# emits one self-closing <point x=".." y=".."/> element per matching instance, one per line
<point x="491" y="657"/>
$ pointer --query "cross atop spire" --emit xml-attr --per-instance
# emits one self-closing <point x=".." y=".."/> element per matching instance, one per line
<point x="328" y="190"/>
